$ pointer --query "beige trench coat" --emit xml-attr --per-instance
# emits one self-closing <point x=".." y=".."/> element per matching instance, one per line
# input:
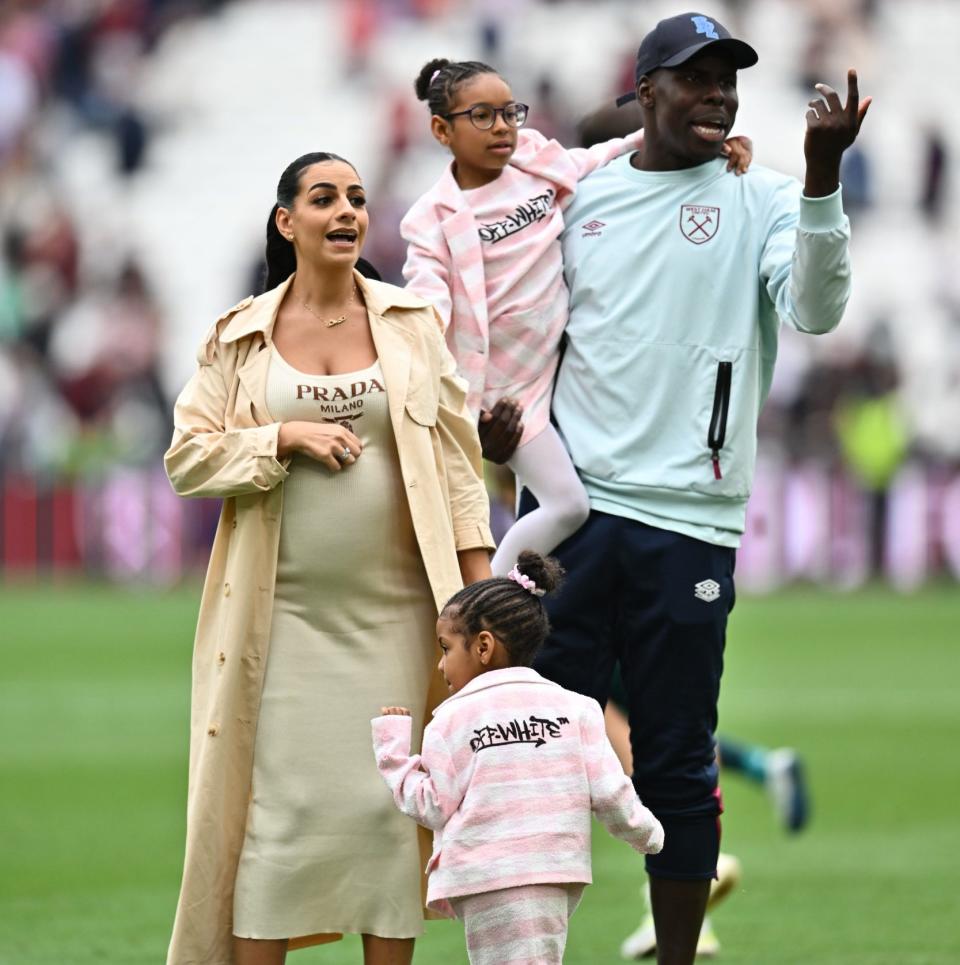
<point x="225" y="445"/>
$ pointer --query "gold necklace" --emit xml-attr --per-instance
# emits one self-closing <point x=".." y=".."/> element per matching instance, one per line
<point x="340" y="319"/>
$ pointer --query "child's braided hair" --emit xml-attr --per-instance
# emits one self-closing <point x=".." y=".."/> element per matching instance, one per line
<point x="502" y="606"/>
<point x="439" y="79"/>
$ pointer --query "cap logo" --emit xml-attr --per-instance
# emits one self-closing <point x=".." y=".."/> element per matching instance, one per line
<point x="705" y="27"/>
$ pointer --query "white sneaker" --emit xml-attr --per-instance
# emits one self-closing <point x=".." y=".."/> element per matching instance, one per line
<point x="728" y="877"/>
<point x="708" y="945"/>
<point x="643" y="942"/>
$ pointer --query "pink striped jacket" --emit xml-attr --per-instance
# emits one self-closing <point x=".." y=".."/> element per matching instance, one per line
<point x="511" y="769"/>
<point x="444" y="262"/>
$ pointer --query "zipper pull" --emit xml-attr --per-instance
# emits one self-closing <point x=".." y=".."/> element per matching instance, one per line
<point x="715" y="459"/>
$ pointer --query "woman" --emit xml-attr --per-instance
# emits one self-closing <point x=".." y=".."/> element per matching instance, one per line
<point x="327" y="415"/>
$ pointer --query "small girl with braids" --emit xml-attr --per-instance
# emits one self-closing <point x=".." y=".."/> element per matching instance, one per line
<point x="511" y="769"/>
<point x="484" y="248"/>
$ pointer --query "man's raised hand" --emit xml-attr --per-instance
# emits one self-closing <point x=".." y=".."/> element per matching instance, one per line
<point x="831" y="128"/>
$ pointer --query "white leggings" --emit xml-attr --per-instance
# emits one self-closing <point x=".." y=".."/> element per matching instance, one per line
<point x="526" y="925"/>
<point x="544" y="466"/>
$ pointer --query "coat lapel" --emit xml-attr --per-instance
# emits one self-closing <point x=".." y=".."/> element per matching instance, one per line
<point x="257" y="314"/>
<point x="394" y="353"/>
<point x="253" y="377"/>
<point x="257" y="320"/>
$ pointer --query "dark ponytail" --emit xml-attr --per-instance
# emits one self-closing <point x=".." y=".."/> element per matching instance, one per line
<point x="507" y="609"/>
<point x="439" y="79"/>
<point x="280" y="257"/>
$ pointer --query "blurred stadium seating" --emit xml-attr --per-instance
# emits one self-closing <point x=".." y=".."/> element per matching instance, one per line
<point x="140" y="143"/>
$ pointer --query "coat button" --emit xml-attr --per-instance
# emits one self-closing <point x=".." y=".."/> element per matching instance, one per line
<point x="221" y="658"/>
<point x="234" y="523"/>
<point x="226" y="589"/>
<point x="213" y="730"/>
<point x="412" y="483"/>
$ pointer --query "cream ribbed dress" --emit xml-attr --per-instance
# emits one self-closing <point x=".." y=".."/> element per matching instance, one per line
<point x="353" y="630"/>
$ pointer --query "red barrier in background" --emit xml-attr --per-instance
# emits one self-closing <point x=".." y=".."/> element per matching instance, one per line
<point x="19" y="524"/>
<point x="804" y="523"/>
<point x="65" y="554"/>
<point x="129" y="527"/>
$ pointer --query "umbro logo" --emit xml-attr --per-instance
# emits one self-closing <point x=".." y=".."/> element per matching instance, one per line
<point x="593" y="229"/>
<point x="707" y="590"/>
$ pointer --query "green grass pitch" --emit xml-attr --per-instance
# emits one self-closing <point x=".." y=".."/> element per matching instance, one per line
<point x="94" y="716"/>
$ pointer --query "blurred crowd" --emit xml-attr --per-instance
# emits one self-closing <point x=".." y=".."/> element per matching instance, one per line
<point x="86" y="378"/>
<point x="80" y="389"/>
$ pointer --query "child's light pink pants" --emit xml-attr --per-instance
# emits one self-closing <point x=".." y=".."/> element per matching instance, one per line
<point x="519" y="926"/>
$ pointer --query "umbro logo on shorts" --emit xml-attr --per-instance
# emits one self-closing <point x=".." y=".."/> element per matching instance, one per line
<point x="707" y="590"/>
<point x="593" y="229"/>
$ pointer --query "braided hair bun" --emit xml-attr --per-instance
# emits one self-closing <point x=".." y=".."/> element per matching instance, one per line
<point x="422" y="84"/>
<point x="514" y="613"/>
<point x="440" y="92"/>
<point x="545" y="571"/>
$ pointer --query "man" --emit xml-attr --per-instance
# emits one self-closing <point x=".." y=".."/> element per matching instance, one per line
<point x="680" y="274"/>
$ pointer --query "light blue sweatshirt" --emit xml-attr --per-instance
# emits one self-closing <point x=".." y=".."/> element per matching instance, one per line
<point x="678" y="283"/>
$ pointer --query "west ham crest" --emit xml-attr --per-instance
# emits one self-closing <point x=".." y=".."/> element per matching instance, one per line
<point x="699" y="223"/>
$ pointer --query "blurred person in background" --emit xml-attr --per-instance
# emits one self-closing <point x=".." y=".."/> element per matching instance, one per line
<point x="326" y="414"/>
<point x="856" y="175"/>
<point x="872" y="433"/>
<point x="549" y="116"/>
<point x="39" y="279"/>
<point x="679" y="277"/>
<point x="934" y="174"/>
<point x="18" y="100"/>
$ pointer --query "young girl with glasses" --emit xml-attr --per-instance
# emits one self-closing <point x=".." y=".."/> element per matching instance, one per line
<point x="483" y="247"/>
<point x="511" y="769"/>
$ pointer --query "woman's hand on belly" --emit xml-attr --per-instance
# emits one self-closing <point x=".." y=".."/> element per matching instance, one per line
<point x="327" y="442"/>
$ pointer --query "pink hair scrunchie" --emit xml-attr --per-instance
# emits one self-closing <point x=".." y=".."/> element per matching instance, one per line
<point x="433" y="76"/>
<point x="529" y="585"/>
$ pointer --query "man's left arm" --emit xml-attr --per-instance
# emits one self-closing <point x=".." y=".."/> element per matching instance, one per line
<point x="805" y="263"/>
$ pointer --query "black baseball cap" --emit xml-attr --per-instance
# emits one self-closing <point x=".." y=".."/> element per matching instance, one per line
<point x="675" y="40"/>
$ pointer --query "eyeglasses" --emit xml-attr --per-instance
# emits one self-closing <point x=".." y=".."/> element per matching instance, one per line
<point x="484" y="116"/>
